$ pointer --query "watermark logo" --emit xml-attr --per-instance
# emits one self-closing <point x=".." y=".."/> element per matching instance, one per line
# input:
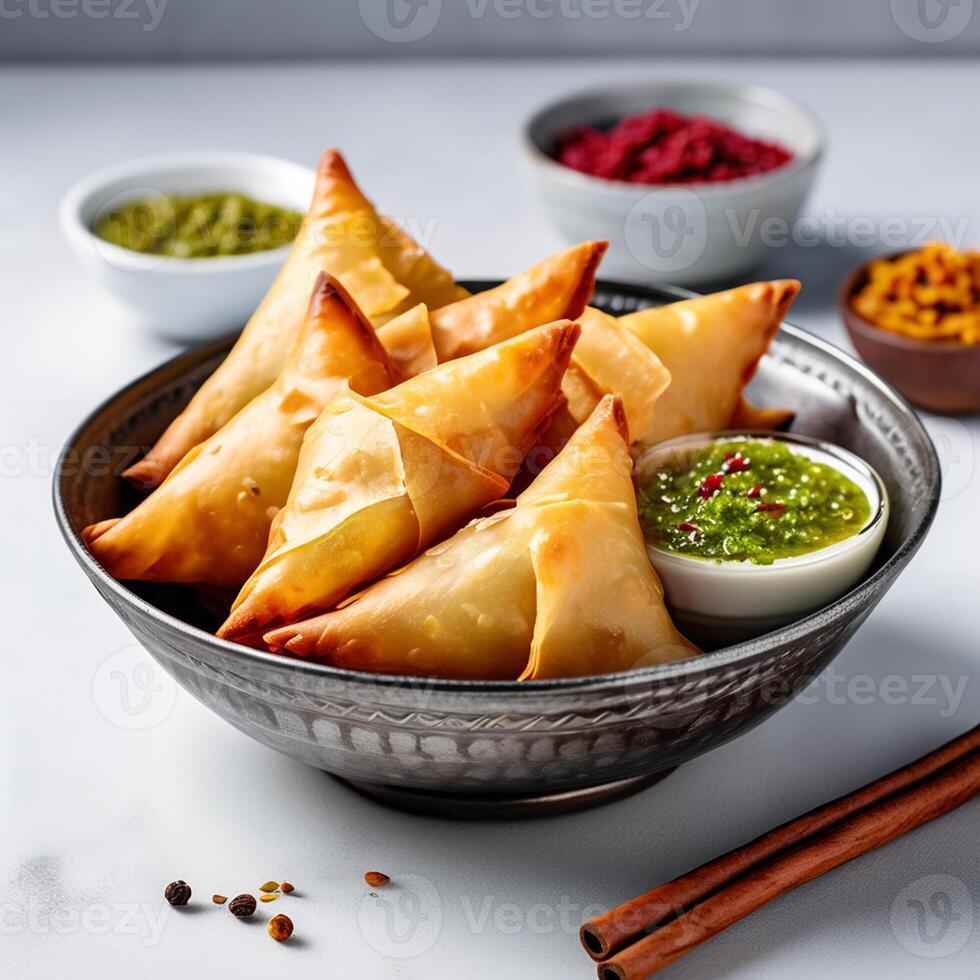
<point x="836" y="230"/>
<point x="132" y="691"/>
<point x="148" y="13"/>
<point x="132" y="226"/>
<point x="564" y="916"/>
<point x="402" y="920"/>
<point x="36" y="916"/>
<point x="944" y="692"/>
<point x="932" y="916"/>
<point x="955" y="450"/>
<point x="400" y="21"/>
<point x="932" y="21"/>
<point x="678" y="13"/>
<point x="667" y="232"/>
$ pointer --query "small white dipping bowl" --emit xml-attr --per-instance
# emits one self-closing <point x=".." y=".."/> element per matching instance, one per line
<point x="184" y="299"/>
<point x="724" y="602"/>
<point x="689" y="234"/>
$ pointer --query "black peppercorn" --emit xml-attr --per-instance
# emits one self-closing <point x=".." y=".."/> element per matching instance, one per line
<point x="242" y="906"/>
<point x="178" y="892"/>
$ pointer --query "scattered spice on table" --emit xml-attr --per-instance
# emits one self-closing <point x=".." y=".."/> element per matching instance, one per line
<point x="662" y="146"/>
<point x="177" y="893"/>
<point x="280" y="928"/>
<point x="376" y="879"/>
<point x="242" y="906"/>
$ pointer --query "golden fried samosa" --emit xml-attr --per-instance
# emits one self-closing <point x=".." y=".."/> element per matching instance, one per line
<point x="413" y="267"/>
<point x="341" y="234"/>
<point x="610" y="360"/>
<point x="711" y="347"/>
<point x="556" y="288"/>
<point x="381" y="478"/>
<point x="679" y="368"/>
<point x="408" y="341"/>
<point x="208" y="522"/>
<point x="558" y="586"/>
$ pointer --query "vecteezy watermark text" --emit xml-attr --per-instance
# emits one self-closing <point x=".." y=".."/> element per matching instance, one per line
<point x="148" y="13"/>
<point x="42" y="918"/>
<point x="678" y="13"/>
<point x="404" y="21"/>
<point x="839" y="230"/>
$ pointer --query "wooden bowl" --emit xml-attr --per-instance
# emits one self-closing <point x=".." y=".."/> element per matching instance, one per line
<point x="943" y="376"/>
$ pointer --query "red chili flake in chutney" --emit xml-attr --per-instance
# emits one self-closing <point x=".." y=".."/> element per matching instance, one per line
<point x="664" y="147"/>
<point x="711" y="485"/>
<point x="776" y="508"/>
<point x="688" y="526"/>
<point x="754" y="491"/>
<point x="735" y="463"/>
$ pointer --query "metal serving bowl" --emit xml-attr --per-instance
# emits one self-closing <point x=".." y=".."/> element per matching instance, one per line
<point x="492" y="747"/>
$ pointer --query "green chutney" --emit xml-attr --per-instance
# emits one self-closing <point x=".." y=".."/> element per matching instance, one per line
<point x="198" y="227"/>
<point x="749" y="500"/>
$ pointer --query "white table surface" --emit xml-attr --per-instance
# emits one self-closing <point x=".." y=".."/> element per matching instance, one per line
<point x="100" y="808"/>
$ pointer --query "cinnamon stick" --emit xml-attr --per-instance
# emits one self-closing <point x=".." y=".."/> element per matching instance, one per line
<point x="845" y="841"/>
<point x="609" y="932"/>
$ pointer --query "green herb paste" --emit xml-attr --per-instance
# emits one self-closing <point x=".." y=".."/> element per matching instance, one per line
<point x="199" y="227"/>
<point x="750" y="500"/>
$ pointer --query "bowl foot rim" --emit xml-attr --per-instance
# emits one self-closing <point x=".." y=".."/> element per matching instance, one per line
<point x="481" y="806"/>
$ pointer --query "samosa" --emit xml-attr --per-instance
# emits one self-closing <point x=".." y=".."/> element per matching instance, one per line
<point x="711" y="346"/>
<point x="380" y="266"/>
<point x="208" y="522"/>
<point x="556" y="288"/>
<point x="558" y="586"/>
<point x="679" y="368"/>
<point x="381" y="478"/>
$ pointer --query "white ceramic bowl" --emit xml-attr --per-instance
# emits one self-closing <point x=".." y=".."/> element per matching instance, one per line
<point x="186" y="299"/>
<point x="725" y="600"/>
<point x="692" y="234"/>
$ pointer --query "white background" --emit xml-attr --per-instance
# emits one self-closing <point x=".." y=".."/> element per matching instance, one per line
<point x="99" y="807"/>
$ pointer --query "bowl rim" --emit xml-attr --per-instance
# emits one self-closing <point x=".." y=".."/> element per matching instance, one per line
<point x="857" y="323"/>
<point x="878" y="508"/>
<point x="692" y="667"/>
<point x="750" y="92"/>
<point x="81" y="235"/>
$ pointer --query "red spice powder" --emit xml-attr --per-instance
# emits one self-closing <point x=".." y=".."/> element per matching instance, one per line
<point x="664" y="147"/>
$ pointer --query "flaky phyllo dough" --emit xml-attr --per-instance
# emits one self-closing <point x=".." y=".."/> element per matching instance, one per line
<point x="380" y="478"/>
<point x="208" y="522"/>
<point x="384" y="271"/>
<point x="556" y="288"/>
<point x="711" y="346"/>
<point x="679" y="368"/>
<point x="559" y="585"/>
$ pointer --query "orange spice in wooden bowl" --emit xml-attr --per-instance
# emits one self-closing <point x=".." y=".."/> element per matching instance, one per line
<point x="914" y="318"/>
